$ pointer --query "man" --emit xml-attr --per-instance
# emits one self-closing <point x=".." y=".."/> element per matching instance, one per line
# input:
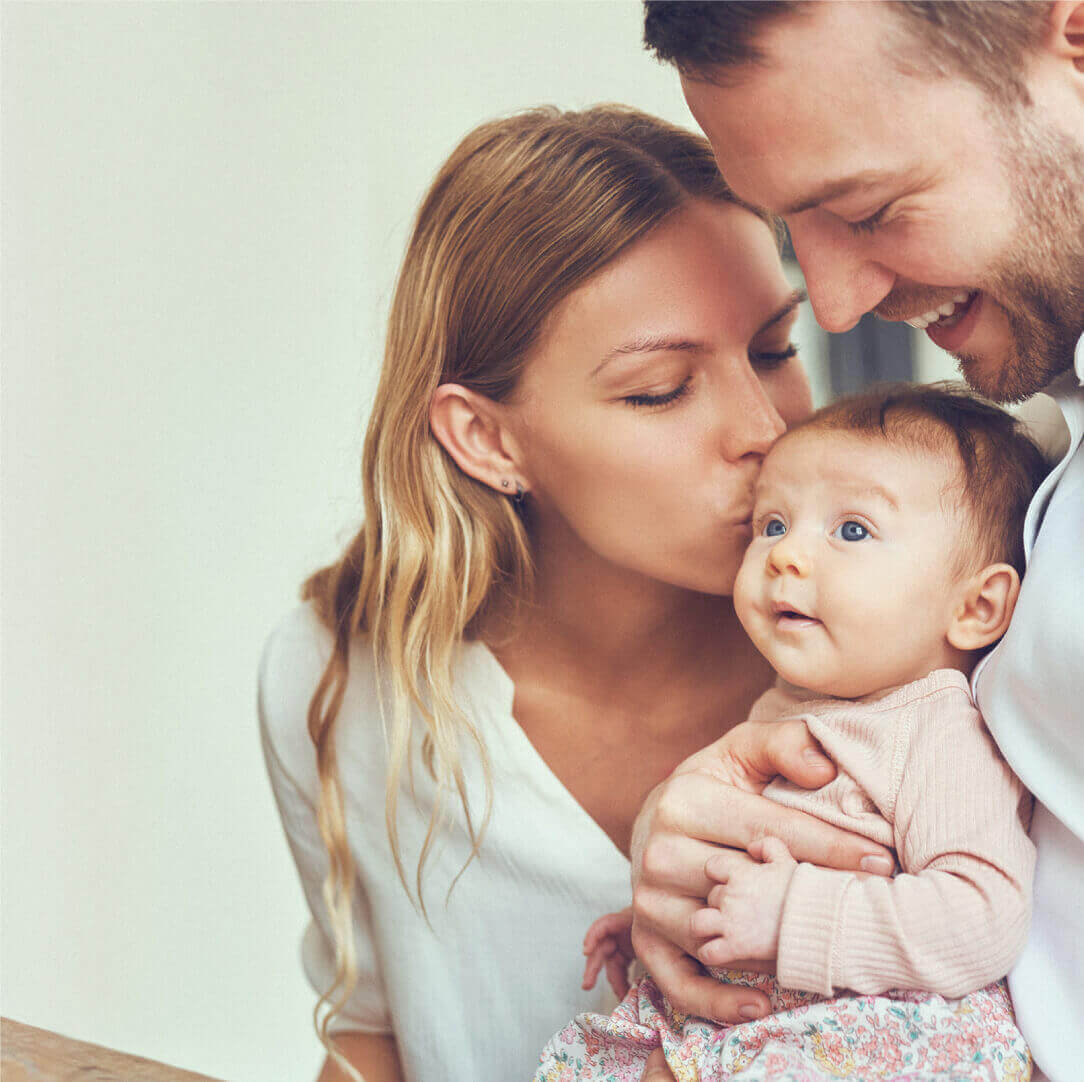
<point x="928" y="159"/>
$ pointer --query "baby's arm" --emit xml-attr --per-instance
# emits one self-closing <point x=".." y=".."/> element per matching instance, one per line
<point x="957" y="917"/>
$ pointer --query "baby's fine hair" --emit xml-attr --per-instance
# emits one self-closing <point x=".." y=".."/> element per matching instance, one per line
<point x="1002" y="466"/>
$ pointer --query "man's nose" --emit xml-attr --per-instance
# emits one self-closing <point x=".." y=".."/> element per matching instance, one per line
<point x="788" y="557"/>
<point x="842" y="281"/>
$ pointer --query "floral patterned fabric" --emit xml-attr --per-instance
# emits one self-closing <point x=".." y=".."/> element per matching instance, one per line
<point x="895" y="1037"/>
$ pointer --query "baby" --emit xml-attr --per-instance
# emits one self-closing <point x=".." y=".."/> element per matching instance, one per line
<point x="886" y="558"/>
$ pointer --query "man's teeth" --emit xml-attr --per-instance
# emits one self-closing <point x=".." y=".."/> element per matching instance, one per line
<point x="935" y="315"/>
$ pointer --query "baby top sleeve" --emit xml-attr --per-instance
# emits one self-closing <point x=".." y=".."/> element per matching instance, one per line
<point x="956" y="916"/>
<point x="292" y="663"/>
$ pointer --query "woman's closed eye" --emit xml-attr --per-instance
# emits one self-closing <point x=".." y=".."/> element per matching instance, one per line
<point x="663" y="399"/>
<point x="767" y="359"/>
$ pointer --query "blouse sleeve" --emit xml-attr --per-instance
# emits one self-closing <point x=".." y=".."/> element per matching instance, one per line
<point x="292" y="662"/>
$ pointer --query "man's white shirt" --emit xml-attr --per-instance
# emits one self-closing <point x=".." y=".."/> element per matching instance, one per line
<point x="1030" y="690"/>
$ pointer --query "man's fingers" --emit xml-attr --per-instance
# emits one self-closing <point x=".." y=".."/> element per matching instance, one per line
<point x="698" y="807"/>
<point x="772" y="850"/>
<point x="690" y="991"/>
<point x="716" y="952"/>
<point x="656" y="1070"/>
<point x="674" y="861"/>
<point x="707" y="923"/>
<point x="662" y="916"/>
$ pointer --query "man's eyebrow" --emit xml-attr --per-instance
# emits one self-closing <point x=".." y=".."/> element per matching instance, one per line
<point x="834" y="189"/>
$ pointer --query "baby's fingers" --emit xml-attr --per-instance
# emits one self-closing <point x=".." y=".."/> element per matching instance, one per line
<point x="610" y="925"/>
<point x="595" y="961"/>
<point x="617" y="973"/>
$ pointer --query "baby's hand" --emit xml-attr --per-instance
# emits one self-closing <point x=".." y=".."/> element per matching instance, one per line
<point x="746" y="907"/>
<point x="609" y="942"/>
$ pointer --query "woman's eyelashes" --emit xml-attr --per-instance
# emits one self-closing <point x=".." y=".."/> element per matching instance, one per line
<point x="766" y="359"/>
<point x="763" y="360"/>
<point x="663" y="399"/>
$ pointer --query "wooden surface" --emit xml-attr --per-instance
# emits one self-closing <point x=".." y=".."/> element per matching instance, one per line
<point x="37" y="1055"/>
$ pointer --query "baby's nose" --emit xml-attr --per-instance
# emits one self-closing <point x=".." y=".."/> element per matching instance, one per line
<point x="788" y="557"/>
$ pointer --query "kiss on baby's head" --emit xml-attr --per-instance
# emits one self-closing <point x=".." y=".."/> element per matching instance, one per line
<point x="887" y="539"/>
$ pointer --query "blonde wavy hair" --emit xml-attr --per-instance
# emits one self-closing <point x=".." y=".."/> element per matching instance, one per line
<point x="525" y="210"/>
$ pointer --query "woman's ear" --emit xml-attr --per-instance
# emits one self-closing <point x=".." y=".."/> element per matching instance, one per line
<point x="985" y="608"/>
<point x="470" y="427"/>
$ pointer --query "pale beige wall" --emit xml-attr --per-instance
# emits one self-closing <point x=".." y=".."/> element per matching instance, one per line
<point x="204" y="207"/>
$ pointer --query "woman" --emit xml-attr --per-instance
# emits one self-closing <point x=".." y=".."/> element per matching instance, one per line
<point x="588" y="354"/>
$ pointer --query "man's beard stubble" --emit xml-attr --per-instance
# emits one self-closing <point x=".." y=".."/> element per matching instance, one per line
<point x="1040" y="284"/>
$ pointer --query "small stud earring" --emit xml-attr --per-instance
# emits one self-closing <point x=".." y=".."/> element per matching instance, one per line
<point x="517" y="499"/>
<point x="504" y="483"/>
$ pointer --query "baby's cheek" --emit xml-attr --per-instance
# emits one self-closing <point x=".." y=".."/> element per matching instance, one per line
<point x="745" y="587"/>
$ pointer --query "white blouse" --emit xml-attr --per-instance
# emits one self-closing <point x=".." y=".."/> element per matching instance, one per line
<point x="478" y="991"/>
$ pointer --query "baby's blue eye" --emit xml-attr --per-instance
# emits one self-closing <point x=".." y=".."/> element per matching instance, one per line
<point x="774" y="527"/>
<point x="852" y="531"/>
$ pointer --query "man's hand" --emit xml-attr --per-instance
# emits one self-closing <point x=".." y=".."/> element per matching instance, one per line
<point x="609" y="943"/>
<point x="745" y="908"/>
<point x="713" y="799"/>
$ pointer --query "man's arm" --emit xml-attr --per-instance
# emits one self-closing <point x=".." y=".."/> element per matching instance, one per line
<point x="713" y="799"/>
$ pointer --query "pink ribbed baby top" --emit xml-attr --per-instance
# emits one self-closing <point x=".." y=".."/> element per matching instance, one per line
<point x="917" y="771"/>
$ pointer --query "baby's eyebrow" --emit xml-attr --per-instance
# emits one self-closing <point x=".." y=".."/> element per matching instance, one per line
<point x="880" y="493"/>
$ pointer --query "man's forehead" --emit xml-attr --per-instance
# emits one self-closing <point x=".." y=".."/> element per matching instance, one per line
<point x="824" y="107"/>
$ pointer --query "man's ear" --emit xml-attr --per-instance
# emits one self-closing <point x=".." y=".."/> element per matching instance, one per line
<point x="985" y="607"/>
<point x="471" y="428"/>
<point x="1066" y="31"/>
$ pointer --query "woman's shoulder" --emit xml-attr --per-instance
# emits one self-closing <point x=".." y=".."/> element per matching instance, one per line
<point x="294" y="658"/>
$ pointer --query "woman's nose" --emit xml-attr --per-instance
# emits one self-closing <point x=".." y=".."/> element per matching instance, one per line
<point x="788" y="557"/>
<point x="751" y="423"/>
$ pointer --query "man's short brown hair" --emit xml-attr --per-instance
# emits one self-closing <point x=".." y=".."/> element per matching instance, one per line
<point x="1001" y="466"/>
<point x="986" y="41"/>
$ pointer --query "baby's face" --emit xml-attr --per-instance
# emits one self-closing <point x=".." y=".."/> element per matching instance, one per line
<point x="848" y="586"/>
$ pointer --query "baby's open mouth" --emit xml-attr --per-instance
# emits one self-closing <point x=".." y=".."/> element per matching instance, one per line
<point x="791" y="618"/>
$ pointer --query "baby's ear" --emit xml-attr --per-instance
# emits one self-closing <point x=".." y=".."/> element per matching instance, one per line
<point x="985" y="607"/>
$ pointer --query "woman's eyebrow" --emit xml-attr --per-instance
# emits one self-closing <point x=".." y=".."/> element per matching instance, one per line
<point x="784" y="310"/>
<point x="648" y="343"/>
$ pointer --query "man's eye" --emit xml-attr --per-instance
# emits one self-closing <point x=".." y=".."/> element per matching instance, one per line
<point x="851" y="531"/>
<point x="659" y="399"/>
<point x="774" y="527"/>
<point x="765" y="359"/>
<point x="868" y="225"/>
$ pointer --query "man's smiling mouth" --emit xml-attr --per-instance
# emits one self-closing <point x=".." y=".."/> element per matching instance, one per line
<point x="948" y="314"/>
